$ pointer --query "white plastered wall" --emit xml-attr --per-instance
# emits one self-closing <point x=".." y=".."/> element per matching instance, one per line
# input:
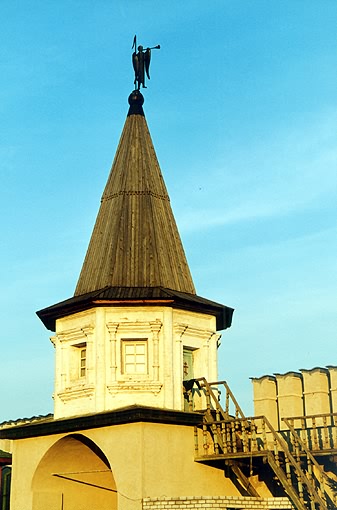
<point x="102" y="331"/>
<point x="146" y="459"/>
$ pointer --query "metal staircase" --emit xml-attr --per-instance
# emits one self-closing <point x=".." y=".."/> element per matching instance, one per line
<point x="245" y="446"/>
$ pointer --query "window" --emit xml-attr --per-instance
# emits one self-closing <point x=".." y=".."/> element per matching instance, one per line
<point x="83" y="361"/>
<point x="187" y="364"/>
<point x="134" y="357"/>
<point x="78" y="362"/>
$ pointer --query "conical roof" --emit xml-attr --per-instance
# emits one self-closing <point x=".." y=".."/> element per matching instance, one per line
<point x="135" y="255"/>
<point x="135" y="241"/>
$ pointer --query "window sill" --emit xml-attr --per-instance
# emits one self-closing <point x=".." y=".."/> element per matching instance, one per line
<point x="76" y="391"/>
<point x="135" y="386"/>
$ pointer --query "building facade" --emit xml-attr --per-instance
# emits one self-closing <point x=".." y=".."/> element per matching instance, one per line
<point x="138" y="422"/>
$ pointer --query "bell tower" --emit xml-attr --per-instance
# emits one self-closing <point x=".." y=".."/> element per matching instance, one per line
<point x="135" y="328"/>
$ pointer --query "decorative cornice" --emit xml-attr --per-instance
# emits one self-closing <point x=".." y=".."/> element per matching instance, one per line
<point x="136" y="326"/>
<point x="75" y="333"/>
<point x="187" y="330"/>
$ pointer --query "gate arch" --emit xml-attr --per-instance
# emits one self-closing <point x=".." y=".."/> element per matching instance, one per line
<point x="74" y="474"/>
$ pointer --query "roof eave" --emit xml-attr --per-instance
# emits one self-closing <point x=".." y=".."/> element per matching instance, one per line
<point x="181" y="301"/>
<point x="127" y="415"/>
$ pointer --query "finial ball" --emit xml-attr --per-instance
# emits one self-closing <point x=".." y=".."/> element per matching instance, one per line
<point x="136" y="98"/>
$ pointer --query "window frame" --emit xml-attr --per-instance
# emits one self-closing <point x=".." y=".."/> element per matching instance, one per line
<point x="83" y="362"/>
<point x="78" y="368"/>
<point x="127" y="342"/>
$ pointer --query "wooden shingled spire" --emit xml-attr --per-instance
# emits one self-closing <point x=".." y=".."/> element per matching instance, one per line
<point x="135" y="241"/>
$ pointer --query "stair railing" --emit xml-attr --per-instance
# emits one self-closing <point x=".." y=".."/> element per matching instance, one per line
<point x="317" y="432"/>
<point x="315" y="471"/>
<point x="231" y="438"/>
<point x="228" y="434"/>
<point x="212" y="392"/>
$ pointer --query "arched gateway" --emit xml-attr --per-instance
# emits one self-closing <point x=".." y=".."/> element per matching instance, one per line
<point x="74" y="474"/>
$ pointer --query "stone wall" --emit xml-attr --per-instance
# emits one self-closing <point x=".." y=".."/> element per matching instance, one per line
<point x="217" y="503"/>
<point x="294" y="394"/>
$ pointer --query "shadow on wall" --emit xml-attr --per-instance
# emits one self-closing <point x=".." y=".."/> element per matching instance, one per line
<point x="74" y="473"/>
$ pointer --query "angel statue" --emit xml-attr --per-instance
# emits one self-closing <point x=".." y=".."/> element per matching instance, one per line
<point x="141" y="63"/>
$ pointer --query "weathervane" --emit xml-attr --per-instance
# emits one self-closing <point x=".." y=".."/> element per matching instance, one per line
<point x="141" y="63"/>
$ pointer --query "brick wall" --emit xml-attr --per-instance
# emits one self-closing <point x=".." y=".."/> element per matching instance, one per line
<point x="216" y="503"/>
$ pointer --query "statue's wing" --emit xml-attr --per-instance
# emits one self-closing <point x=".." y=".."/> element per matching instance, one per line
<point x="135" y="63"/>
<point x="147" y="59"/>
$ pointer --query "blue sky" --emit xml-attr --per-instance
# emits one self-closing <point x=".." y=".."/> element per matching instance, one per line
<point x="241" y="106"/>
